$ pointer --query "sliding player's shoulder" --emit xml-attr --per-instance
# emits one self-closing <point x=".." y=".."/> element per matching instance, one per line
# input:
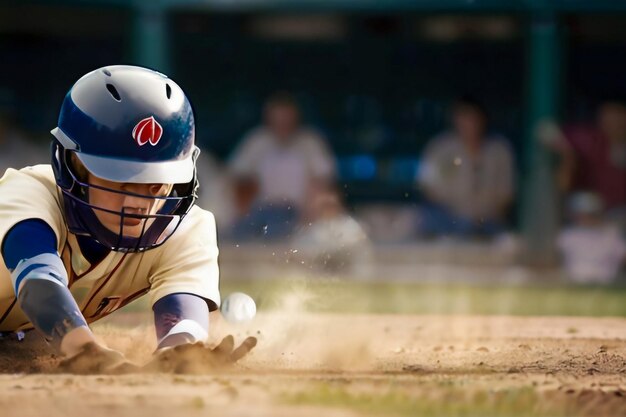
<point x="198" y="216"/>
<point x="197" y="227"/>
<point x="33" y="178"/>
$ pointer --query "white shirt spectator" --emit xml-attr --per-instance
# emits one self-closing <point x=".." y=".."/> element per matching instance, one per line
<point x="475" y="187"/>
<point x="592" y="254"/>
<point x="284" y="170"/>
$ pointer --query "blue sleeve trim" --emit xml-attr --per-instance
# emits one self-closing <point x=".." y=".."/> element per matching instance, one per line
<point x="27" y="239"/>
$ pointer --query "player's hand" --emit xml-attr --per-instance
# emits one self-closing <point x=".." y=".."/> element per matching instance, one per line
<point x="96" y="359"/>
<point x="199" y="358"/>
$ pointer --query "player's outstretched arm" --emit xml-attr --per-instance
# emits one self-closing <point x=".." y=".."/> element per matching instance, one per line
<point x="182" y="324"/>
<point x="52" y="310"/>
<point x="40" y="284"/>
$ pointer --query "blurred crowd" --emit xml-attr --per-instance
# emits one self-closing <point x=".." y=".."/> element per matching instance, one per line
<point x="591" y="173"/>
<point x="281" y="184"/>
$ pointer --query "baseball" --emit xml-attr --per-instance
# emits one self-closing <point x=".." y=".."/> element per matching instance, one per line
<point x="238" y="308"/>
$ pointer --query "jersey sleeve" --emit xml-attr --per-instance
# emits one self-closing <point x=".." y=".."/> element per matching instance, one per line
<point x="188" y="261"/>
<point x="505" y="181"/>
<point x="30" y="193"/>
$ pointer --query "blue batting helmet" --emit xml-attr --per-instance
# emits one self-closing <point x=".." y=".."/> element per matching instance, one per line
<point x="129" y="125"/>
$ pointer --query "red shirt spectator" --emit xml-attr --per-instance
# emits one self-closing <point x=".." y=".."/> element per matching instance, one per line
<point x="600" y="154"/>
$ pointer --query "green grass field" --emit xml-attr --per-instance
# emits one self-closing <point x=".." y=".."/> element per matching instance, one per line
<point x="452" y="400"/>
<point x="413" y="298"/>
<point x="341" y="296"/>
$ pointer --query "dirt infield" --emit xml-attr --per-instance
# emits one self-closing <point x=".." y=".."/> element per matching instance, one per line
<point x="347" y="365"/>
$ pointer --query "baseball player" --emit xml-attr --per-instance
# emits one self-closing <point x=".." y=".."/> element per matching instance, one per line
<point x="111" y="219"/>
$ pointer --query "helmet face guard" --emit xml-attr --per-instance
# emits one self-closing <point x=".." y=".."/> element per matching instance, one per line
<point x="131" y="125"/>
<point x="80" y="213"/>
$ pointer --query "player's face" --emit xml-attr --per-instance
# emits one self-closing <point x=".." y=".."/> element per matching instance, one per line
<point x="130" y="204"/>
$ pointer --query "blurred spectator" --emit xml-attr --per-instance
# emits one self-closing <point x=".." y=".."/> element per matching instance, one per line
<point x="598" y="154"/>
<point x="592" y="249"/>
<point x="276" y="168"/>
<point x="333" y="241"/>
<point x="16" y="150"/>
<point x="467" y="177"/>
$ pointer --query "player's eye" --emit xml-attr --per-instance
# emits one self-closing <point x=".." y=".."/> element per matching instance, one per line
<point x="160" y="190"/>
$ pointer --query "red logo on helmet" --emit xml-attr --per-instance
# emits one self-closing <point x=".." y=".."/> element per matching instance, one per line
<point x="147" y="130"/>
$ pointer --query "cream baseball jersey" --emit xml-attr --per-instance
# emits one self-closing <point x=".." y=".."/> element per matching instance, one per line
<point x="185" y="263"/>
